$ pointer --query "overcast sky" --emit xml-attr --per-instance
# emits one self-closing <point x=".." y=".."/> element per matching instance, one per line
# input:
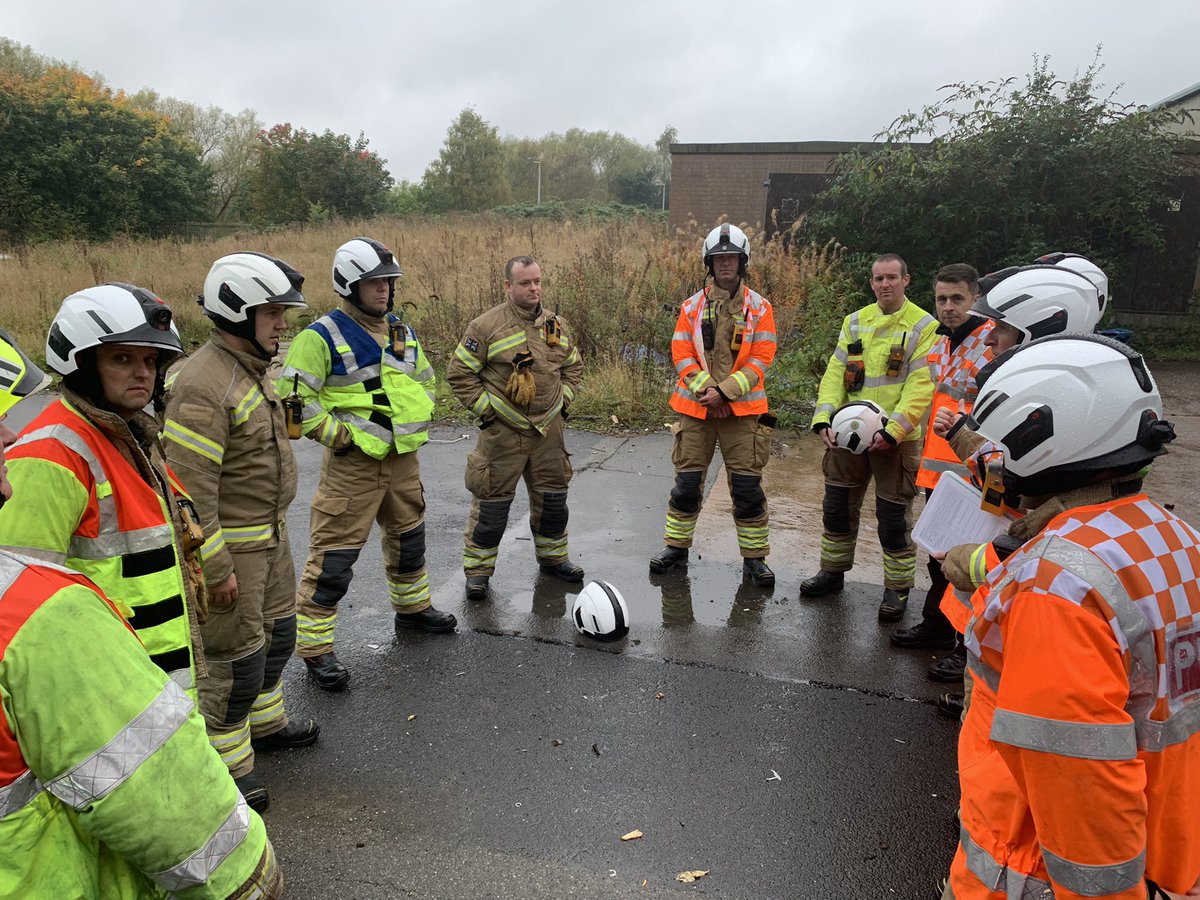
<point x="400" y="72"/>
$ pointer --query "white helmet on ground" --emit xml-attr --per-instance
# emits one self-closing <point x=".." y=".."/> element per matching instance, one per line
<point x="599" y="611"/>
<point x="1084" y="267"/>
<point x="855" y="424"/>
<point x="1070" y="406"/>
<point x="19" y="377"/>
<point x="360" y="259"/>
<point x="726" y="238"/>
<point x="1039" y="301"/>
<point x="110" y="314"/>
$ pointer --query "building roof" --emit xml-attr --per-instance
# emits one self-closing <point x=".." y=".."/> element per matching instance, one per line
<point x="782" y="147"/>
<point x="1185" y="94"/>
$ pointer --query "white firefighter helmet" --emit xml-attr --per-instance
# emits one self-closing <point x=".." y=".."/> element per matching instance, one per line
<point x="1039" y="301"/>
<point x="19" y="377"/>
<point x="856" y="423"/>
<point x="1067" y="406"/>
<point x="726" y="238"/>
<point x="110" y="314"/>
<point x="359" y="259"/>
<point x="1084" y="267"/>
<point x="239" y="282"/>
<point x="599" y="611"/>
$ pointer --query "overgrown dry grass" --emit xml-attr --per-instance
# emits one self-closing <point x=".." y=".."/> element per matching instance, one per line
<point x="618" y="284"/>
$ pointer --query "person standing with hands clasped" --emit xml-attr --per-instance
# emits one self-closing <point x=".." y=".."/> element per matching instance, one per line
<point x="517" y="369"/>
<point x="724" y="343"/>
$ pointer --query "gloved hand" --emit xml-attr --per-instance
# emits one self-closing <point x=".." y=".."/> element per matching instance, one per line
<point x="521" y="388"/>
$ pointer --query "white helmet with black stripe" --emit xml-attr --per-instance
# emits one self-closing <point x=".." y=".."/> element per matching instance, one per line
<point x="723" y="239"/>
<point x="855" y="424"/>
<point x="110" y="314"/>
<point x="1067" y="408"/>
<point x="1084" y="267"/>
<point x="239" y="283"/>
<point x="1039" y="301"/>
<point x="599" y="611"/>
<point x="361" y="259"/>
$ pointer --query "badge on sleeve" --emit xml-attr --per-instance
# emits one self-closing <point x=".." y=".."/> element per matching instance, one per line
<point x="471" y="344"/>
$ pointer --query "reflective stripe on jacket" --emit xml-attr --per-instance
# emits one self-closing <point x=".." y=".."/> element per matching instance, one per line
<point x="108" y="787"/>
<point x="226" y="434"/>
<point x="906" y="395"/>
<point x="383" y="396"/>
<point x="77" y="501"/>
<point x="743" y="386"/>
<point x="483" y="361"/>
<point x="1080" y="753"/>
<point x="953" y="373"/>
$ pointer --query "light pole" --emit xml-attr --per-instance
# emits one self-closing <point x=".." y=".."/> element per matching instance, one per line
<point x="538" y="160"/>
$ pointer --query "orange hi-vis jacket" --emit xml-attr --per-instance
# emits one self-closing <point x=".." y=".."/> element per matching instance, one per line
<point x="1080" y="754"/>
<point x="953" y="372"/>
<point x="744" y="385"/>
<point x="78" y="502"/>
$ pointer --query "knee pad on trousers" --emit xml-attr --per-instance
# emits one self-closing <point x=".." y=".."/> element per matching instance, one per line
<point x="337" y="568"/>
<point x="493" y="519"/>
<point x="892" y="526"/>
<point x="412" y="551"/>
<point x="247" y="676"/>
<point x="749" y="501"/>
<point x="553" y="523"/>
<point x="685" y="495"/>
<point x="281" y="642"/>
<point x="835" y="509"/>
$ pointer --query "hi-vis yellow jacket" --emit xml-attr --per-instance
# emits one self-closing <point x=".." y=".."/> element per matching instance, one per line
<point x="381" y="396"/>
<point x="904" y="396"/>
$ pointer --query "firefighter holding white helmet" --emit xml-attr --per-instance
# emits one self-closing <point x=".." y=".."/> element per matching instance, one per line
<point x="724" y="343"/>
<point x="226" y="435"/>
<point x="367" y="392"/>
<point x="881" y="355"/>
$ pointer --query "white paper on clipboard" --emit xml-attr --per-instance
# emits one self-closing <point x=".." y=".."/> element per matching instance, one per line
<point x="952" y="517"/>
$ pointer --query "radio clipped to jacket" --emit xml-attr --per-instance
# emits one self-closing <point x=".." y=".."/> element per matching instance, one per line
<point x="856" y="371"/>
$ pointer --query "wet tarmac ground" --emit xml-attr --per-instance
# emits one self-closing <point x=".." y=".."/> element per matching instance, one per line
<point x="777" y="744"/>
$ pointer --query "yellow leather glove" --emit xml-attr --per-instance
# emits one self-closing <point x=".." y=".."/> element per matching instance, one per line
<point x="521" y="388"/>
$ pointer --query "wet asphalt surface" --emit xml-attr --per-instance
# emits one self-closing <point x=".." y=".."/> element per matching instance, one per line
<point x="777" y="743"/>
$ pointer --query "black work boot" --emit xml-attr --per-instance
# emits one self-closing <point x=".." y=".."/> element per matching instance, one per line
<point x="477" y="587"/>
<point x="253" y="791"/>
<point x="292" y="735"/>
<point x="950" y="668"/>
<point x="668" y="558"/>
<point x="893" y="606"/>
<point x="566" y="570"/>
<point x="327" y="672"/>
<point x="922" y="636"/>
<point x="822" y="583"/>
<point x="758" y="570"/>
<point x="431" y="620"/>
<point x="950" y="705"/>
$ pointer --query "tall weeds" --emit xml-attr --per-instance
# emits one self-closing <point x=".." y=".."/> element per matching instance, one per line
<point x="618" y="284"/>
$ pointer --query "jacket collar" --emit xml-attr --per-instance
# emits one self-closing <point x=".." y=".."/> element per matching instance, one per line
<point x="253" y="363"/>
